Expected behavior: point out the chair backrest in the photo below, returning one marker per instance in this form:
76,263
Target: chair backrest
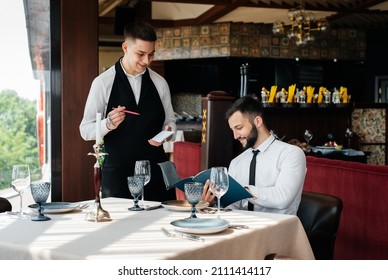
5,205
320,215
170,175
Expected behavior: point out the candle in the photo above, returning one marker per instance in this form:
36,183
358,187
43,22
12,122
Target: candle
98,128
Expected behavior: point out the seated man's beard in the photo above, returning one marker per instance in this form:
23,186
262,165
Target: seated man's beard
252,138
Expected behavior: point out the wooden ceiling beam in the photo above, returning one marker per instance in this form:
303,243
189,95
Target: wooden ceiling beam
202,2
316,5
106,7
369,3
221,8
353,11
219,11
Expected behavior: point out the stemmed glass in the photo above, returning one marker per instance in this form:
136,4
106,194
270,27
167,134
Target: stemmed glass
135,185
349,136
219,183
193,192
308,135
40,192
21,180
143,168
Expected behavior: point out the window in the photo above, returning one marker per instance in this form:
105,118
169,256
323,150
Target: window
23,89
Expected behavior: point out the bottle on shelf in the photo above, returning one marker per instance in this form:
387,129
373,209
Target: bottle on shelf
327,97
264,95
336,96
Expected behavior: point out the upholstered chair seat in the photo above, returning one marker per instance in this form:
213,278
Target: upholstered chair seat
320,216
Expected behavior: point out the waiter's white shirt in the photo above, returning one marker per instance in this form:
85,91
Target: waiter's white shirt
99,97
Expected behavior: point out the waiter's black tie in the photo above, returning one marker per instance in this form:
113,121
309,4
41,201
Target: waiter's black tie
252,174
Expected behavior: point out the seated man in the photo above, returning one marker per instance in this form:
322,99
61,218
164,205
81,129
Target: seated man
277,169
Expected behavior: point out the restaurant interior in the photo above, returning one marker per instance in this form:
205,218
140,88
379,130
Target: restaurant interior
211,53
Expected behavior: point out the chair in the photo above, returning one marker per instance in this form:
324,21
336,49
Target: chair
5,205
320,216
170,175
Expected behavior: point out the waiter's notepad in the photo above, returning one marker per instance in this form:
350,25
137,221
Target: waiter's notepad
161,136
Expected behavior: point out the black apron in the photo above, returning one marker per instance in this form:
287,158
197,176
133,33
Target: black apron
129,141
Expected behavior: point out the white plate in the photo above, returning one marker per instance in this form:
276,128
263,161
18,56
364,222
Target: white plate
183,205
200,226
55,207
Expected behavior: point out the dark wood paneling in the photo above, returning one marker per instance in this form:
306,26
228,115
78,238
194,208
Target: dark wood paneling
53,97
79,56
217,138
158,66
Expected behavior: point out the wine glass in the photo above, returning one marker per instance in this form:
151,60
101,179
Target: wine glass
135,185
143,168
219,183
308,135
21,180
193,192
40,192
349,136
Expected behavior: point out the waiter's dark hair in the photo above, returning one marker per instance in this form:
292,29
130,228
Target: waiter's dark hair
140,30
248,106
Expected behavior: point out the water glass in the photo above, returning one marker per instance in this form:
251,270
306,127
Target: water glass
40,192
136,185
193,192
143,168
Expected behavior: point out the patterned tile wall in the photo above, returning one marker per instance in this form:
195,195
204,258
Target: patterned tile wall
370,125
187,102
255,40
377,154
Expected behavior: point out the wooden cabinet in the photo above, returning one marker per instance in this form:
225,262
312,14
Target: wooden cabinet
216,137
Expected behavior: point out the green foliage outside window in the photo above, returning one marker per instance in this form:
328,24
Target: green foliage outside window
18,136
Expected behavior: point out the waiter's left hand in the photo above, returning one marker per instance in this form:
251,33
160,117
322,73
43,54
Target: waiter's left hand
157,144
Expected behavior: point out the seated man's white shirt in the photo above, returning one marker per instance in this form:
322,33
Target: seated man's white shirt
280,174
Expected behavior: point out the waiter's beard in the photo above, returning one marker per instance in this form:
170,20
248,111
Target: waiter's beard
252,138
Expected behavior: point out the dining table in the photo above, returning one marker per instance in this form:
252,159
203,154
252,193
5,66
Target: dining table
138,235
346,154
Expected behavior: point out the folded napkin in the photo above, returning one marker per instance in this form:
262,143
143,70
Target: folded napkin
326,151
346,152
170,175
352,152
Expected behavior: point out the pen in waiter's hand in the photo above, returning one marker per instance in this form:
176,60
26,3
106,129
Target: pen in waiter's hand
128,112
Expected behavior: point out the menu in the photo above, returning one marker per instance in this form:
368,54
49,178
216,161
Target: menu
235,192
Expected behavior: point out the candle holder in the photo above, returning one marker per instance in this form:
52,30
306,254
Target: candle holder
97,214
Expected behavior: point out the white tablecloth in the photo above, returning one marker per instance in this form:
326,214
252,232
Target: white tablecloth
138,235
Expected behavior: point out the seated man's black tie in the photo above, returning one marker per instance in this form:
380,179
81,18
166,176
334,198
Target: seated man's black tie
252,174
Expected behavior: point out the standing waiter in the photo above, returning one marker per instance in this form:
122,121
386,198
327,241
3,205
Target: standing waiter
131,85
